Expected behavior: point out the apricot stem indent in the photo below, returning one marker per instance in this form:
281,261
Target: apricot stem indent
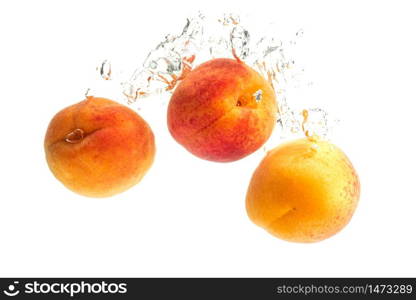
75,136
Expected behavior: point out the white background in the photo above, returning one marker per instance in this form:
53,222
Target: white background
187,217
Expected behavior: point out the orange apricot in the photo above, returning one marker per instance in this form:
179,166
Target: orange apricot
305,190
98,147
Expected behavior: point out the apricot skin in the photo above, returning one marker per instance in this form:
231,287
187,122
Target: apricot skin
114,153
214,114
303,191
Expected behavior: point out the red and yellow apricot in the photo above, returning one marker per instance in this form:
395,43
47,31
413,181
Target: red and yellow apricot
222,111
99,148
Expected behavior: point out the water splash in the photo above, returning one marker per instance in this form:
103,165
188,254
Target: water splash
169,62
201,39
318,123
204,38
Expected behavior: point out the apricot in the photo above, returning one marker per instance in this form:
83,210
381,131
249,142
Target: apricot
303,191
222,111
99,148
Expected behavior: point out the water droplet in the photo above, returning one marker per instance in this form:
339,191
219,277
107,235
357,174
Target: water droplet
300,33
240,39
315,123
258,95
229,19
105,70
